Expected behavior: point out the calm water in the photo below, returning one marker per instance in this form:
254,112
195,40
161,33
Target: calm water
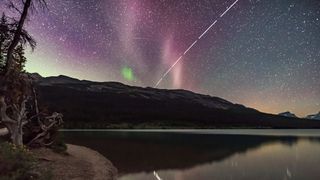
208,154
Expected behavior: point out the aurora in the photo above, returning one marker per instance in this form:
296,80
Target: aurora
127,73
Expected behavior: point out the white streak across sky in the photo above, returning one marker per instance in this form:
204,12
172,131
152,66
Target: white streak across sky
195,42
156,175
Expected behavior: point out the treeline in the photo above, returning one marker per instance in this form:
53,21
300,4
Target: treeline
114,109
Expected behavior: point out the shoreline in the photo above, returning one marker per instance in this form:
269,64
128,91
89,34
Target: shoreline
102,167
255,132
79,163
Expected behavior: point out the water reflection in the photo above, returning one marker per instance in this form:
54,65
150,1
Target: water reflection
186,156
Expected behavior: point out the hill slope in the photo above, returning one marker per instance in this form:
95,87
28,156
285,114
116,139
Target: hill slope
87,104
314,116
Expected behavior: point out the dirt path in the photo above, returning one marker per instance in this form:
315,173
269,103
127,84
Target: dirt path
81,164
102,167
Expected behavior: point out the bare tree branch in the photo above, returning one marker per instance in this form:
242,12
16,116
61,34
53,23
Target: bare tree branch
11,5
54,120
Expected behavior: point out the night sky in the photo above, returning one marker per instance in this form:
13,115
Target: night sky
264,54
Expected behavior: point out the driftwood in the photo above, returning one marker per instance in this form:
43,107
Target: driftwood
48,128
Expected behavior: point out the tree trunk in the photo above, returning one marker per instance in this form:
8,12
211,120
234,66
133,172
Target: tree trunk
16,38
14,124
16,134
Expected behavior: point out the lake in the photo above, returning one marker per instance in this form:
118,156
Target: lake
207,154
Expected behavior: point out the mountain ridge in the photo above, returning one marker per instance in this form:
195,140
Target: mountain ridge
100,86
89,104
287,114
314,116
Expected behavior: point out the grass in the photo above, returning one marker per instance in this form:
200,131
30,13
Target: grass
17,162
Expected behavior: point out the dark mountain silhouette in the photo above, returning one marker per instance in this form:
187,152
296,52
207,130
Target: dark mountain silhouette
287,114
87,104
314,116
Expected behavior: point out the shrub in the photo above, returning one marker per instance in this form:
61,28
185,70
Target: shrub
59,146
16,162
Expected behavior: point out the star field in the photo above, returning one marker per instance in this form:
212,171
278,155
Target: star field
264,54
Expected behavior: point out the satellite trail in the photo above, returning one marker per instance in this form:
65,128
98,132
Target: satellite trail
194,43
156,175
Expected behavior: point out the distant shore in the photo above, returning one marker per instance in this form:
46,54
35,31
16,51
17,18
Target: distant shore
239,131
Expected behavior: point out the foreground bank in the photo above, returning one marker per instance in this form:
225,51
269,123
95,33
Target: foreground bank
79,163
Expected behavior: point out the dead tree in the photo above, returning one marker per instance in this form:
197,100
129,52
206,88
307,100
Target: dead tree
13,101
47,131
15,86
15,123
18,33
16,38
20,119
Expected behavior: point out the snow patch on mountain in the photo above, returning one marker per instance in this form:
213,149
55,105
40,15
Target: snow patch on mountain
314,116
287,114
